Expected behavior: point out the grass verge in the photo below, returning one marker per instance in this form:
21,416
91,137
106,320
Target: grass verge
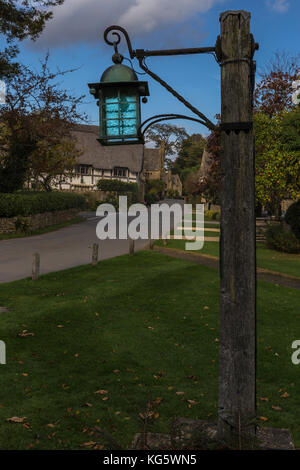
40,231
90,346
268,259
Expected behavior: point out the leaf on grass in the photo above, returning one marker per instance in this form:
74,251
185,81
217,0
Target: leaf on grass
156,415
285,395
16,419
179,393
25,333
263,418
116,371
264,399
88,444
276,408
88,404
192,402
101,392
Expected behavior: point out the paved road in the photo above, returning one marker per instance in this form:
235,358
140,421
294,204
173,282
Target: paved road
62,249
65,248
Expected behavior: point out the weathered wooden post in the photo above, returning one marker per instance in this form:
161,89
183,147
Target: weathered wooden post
237,377
131,247
35,266
95,254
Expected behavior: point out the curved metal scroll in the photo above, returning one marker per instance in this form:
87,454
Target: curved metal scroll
164,117
114,30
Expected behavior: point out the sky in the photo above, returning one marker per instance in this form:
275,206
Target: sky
74,39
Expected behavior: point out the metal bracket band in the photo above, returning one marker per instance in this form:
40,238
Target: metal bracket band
236,127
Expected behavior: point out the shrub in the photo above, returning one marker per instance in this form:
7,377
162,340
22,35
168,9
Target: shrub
281,240
292,217
121,188
212,215
25,204
154,191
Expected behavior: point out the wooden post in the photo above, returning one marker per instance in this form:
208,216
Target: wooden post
237,377
95,254
131,247
152,244
35,266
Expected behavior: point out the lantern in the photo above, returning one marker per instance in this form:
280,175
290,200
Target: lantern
118,95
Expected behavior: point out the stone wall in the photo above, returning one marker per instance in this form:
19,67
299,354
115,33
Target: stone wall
21,224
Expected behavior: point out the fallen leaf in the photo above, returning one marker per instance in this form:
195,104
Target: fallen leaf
101,392
88,444
179,393
15,419
264,399
156,415
116,371
25,333
285,395
276,408
192,402
263,418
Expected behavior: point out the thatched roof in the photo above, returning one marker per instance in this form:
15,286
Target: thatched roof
106,157
152,159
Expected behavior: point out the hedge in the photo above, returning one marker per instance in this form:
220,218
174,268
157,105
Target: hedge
26,204
292,217
120,187
279,239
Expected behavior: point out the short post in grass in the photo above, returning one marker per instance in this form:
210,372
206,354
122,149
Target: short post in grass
165,241
95,254
35,266
131,247
152,244
237,346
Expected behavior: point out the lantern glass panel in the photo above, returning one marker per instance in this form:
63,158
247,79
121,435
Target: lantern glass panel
120,113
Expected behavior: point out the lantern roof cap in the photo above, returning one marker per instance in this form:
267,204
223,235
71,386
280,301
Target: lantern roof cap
118,73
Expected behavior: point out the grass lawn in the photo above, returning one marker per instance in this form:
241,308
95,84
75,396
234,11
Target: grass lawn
40,231
268,259
132,329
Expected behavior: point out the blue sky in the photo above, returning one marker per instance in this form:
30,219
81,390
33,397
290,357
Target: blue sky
74,38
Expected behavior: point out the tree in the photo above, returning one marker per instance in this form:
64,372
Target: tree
19,20
277,158
274,91
190,153
37,120
172,137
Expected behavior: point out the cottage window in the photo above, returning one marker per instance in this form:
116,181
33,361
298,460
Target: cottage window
120,172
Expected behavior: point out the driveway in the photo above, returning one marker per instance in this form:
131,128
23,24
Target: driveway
65,248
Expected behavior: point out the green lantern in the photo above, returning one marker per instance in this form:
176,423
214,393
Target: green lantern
118,95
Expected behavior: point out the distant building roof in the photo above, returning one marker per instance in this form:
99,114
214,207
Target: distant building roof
108,157
152,160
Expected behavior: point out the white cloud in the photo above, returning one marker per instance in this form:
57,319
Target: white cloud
79,21
281,6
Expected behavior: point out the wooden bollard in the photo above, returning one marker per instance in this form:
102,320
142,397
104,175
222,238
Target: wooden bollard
35,266
131,247
95,254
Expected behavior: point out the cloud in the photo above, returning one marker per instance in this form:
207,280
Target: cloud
84,21
280,6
